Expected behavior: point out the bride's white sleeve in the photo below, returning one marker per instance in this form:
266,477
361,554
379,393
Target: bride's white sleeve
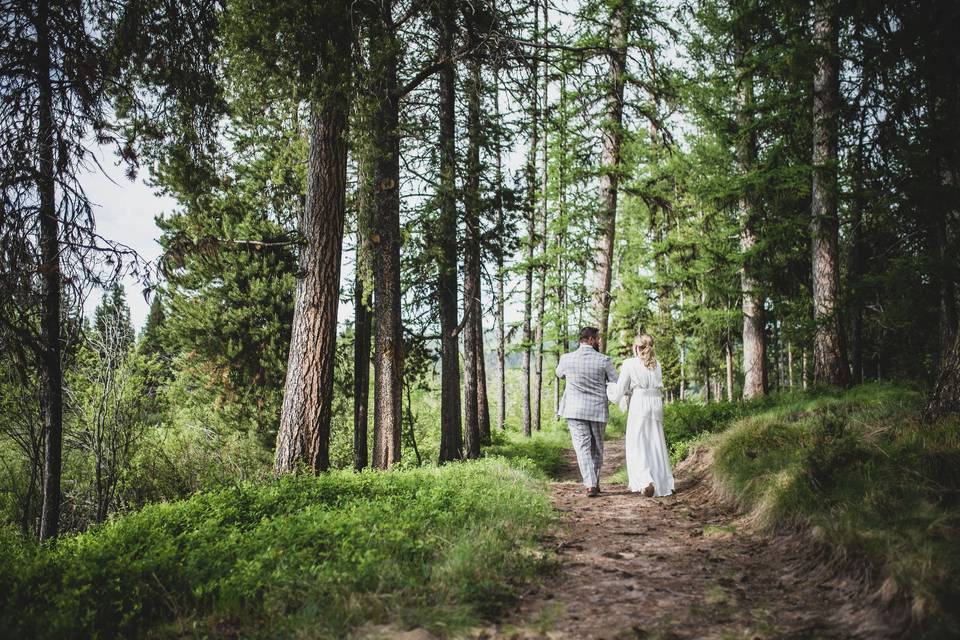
619,391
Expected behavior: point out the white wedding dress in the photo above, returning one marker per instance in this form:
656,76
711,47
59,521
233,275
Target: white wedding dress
640,389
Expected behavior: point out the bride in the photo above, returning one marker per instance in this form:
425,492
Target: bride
640,384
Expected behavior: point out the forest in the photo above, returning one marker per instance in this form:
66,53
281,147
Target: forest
340,417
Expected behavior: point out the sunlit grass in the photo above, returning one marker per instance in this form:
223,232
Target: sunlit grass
865,478
441,548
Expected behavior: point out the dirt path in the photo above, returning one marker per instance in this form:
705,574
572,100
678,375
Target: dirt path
678,567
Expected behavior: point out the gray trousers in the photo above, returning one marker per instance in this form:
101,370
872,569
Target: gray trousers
587,437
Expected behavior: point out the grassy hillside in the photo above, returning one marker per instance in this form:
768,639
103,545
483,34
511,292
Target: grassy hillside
434,547
863,477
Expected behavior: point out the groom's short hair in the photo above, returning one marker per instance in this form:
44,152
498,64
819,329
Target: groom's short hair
588,333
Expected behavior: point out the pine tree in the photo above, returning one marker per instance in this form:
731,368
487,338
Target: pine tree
829,345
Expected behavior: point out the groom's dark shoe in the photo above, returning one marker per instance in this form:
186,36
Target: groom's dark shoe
593,492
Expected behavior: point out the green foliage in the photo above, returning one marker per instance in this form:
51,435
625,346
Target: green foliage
864,478
543,453
225,318
111,319
688,423
318,555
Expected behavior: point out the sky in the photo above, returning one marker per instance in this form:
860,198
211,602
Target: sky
125,211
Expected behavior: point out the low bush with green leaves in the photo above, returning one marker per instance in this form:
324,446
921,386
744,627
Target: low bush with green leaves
543,454
687,423
864,477
434,547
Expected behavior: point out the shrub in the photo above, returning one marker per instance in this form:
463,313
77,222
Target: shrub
542,455
686,423
432,547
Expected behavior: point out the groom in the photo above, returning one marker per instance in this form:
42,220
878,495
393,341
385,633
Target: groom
584,403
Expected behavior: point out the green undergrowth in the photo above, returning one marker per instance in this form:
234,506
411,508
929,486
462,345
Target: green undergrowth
542,454
686,424
862,475
439,548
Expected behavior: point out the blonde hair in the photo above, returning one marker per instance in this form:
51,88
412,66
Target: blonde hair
643,349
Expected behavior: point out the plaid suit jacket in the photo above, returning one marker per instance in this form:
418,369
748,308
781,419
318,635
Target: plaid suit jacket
587,372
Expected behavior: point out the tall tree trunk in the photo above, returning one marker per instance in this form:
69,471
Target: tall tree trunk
946,275
754,340
501,274
363,319
683,358
857,257
561,235
388,337
805,368
531,206
472,338
790,365
540,317
942,166
781,367
52,373
527,310
728,353
483,403
538,348
612,131
829,351
683,375
945,398
304,434
542,266
451,437
361,382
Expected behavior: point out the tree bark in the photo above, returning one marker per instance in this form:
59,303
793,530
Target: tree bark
483,404
531,209
945,398
501,275
728,352
561,238
363,319
612,131
538,350
451,438
361,382
857,266
805,368
51,282
790,365
542,266
304,434
540,319
388,338
754,340
829,351
472,338
527,310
